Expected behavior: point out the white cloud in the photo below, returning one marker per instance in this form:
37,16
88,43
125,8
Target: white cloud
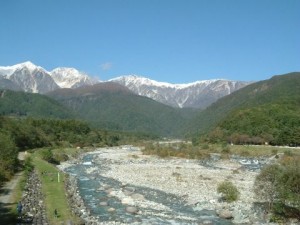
106,66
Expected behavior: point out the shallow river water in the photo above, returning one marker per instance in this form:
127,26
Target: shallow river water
160,207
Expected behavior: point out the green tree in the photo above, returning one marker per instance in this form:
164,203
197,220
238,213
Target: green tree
8,156
266,184
279,185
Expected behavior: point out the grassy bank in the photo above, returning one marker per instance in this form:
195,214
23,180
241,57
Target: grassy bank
53,191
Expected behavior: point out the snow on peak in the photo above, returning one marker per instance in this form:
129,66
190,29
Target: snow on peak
29,65
70,77
141,80
135,79
9,70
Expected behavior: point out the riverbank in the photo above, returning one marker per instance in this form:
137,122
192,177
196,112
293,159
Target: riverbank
193,184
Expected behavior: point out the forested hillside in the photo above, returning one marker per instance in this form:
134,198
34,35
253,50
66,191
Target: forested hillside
266,111
19,103
112,106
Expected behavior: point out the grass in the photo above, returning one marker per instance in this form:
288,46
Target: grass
53,191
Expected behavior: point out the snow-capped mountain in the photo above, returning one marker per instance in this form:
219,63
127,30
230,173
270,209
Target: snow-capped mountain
71,78
199,94
31,78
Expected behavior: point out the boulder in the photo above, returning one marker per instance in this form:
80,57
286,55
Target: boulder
127,201
111,210
103,204
137,196
131,209
225,214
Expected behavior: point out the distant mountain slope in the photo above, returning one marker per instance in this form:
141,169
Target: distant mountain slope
265,110
112,106
199,94
8,84
17,103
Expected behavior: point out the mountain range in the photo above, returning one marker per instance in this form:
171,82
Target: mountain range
265,111
35,79
199,94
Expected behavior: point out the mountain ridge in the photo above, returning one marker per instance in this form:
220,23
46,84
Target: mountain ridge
35,79
199,94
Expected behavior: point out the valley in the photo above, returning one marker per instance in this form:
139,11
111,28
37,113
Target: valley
168,112
230,144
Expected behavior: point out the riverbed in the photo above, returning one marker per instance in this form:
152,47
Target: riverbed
123,186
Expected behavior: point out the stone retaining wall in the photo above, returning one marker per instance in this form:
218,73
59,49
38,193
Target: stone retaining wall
33,201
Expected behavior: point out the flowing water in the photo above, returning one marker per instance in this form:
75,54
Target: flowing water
156,207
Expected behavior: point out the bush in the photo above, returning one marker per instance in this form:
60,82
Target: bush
47,155
28,166
60,157
205,146
229,191
225,149
279,185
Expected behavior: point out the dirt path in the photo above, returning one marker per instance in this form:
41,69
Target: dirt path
6,191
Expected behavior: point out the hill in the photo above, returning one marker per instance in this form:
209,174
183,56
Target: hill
18,103
113,106
266,111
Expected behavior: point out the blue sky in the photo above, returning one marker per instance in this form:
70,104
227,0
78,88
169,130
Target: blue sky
176,41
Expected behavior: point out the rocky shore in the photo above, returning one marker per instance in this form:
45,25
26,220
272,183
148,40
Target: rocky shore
193,186
76,202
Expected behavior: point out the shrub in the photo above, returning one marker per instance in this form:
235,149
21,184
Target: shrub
225,149
229,191
60,157
205,146
47,155
279,185
274,151
28,166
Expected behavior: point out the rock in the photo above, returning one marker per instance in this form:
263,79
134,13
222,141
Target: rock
111,210
137,196
225,214
69,222
103,203
127,201
129,189
131,209
206,222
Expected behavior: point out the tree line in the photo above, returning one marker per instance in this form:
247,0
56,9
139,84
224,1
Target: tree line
17,134
275,124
